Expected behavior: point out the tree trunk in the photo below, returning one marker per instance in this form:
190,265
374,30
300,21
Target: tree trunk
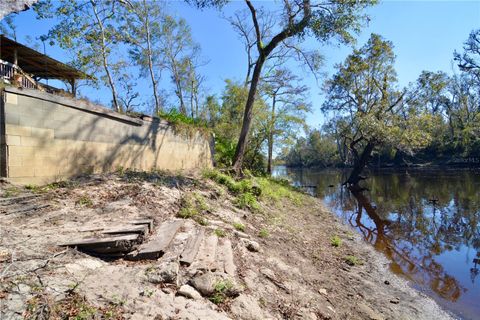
105,59
270,134
150,62
247,117
270,154
359,165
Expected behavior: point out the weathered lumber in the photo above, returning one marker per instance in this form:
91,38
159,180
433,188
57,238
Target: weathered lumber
118,244
19,198
225,258
25,209
141,229
192,246
158,244
205,259
148,222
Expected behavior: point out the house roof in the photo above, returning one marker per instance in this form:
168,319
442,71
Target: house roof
36,63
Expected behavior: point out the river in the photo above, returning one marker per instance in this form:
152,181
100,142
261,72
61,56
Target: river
426,222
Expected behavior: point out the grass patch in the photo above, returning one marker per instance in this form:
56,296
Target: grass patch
11,191
48,187
246,200
239,226
221,291
73,306
263,233
250,190
275,190
220,233
84,201
335,241
192,205
352,261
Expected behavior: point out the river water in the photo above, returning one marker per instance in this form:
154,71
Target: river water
426,222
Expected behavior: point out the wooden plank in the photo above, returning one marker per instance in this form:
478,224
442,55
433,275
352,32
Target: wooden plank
118,244
158,244
25,209
141,229
192,246
205,259
19,198
148,222
226,257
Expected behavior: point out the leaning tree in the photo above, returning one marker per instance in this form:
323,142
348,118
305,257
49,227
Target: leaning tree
324,19
369,111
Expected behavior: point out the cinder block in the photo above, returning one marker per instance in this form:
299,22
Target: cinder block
15,161
23,171
46,170
11,98
30,121
25,152
18,130
33,141
42,133
13,140
12,118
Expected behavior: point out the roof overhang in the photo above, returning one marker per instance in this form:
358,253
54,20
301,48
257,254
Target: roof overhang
36,63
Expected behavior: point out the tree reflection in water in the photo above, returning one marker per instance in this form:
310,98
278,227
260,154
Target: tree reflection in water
419,220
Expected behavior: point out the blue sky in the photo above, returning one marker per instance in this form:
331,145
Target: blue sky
424,33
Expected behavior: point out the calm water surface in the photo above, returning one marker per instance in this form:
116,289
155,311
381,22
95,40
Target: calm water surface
426,222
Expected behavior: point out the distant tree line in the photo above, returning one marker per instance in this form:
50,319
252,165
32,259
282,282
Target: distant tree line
436,120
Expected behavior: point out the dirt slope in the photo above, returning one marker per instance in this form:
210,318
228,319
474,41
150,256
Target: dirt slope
275,261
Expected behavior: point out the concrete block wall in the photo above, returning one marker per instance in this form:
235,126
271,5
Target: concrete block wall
48,138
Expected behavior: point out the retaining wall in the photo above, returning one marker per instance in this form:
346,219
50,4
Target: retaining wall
47,138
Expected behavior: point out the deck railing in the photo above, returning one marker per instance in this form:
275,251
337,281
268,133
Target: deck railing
10,72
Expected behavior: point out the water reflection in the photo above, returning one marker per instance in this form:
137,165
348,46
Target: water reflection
426,223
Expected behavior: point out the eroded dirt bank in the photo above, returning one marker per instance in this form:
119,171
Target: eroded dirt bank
264,252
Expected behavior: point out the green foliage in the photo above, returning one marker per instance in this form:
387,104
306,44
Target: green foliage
274,190
239,226
246,200
263,233
335,241
221,291
219,233
352,261
84,201
192,205
224,152
10,191
317,149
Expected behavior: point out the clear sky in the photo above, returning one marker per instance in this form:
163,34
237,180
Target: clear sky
424,33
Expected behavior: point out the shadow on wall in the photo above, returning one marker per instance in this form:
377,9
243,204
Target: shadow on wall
49,136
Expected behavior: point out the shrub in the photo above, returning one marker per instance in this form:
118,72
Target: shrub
220,233
239,226
263,233
336,241
246,200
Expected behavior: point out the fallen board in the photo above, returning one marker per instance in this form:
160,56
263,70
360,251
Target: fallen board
141,229
155,247
118,244
191,248
148,222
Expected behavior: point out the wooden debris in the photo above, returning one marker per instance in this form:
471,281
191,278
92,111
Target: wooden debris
19,198
157,245
148,222
141,229
225,257
205,259
192,246
28,208
108,245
